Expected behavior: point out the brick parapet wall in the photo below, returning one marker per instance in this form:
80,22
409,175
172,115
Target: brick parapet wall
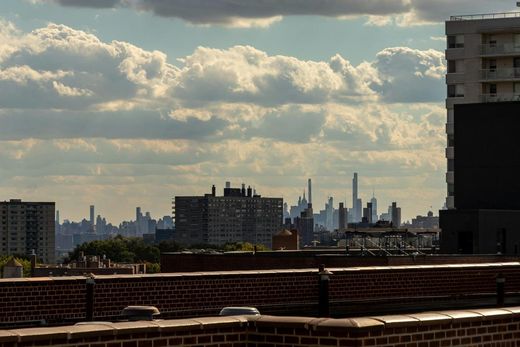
272,291
478,327
182,262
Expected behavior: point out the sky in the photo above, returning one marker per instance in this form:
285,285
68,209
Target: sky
126,103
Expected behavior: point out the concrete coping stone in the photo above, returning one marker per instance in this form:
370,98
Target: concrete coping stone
90,330
8,336
308,323
221,321
177,325
461,315
350,324
37,334
514,310
430,318
492,313
397,321
284,322
138,326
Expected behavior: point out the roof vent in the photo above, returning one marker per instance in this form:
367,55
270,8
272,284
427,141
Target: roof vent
135,313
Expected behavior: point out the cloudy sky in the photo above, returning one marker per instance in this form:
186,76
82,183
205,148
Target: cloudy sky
125,103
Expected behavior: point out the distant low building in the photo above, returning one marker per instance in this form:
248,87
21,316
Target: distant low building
26,227
87,265
239,215
13,269
286,240
426,222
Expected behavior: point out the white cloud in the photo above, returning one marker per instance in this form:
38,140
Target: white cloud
83,117
410,75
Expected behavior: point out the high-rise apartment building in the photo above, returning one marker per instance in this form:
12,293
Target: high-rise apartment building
237,216
26,227
483,60
483,90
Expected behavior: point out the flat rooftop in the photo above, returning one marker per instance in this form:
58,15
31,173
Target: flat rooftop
482,16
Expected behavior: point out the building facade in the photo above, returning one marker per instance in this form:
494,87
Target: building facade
237,216
483,87
483,58
26,227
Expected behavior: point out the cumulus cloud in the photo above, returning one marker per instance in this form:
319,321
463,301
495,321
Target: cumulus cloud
410,75
64,68
83,117
245,74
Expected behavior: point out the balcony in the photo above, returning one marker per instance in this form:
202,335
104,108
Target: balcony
450,152
450,128
450,177
450,202
500,74
500,49
503,97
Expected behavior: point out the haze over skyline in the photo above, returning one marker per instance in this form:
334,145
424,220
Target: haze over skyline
126,103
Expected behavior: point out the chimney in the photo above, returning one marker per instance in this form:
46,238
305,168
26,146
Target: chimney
228,184
249,192
243,189
33,262
213,190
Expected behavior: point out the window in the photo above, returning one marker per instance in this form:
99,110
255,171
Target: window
455,90
452,66
516,88
455,41
493,65
451,141
451,117
493,89
451,189
451,165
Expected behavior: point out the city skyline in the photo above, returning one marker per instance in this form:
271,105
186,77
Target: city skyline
133,105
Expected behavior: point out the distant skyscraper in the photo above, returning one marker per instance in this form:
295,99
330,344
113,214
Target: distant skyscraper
355,197
359,210
373,201
396,215
305,226
138,214
92,221
329,222
342,217
310,191
57,217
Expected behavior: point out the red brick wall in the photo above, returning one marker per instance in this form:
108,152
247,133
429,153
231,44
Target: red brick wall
54,299
484,328
199,294
177,262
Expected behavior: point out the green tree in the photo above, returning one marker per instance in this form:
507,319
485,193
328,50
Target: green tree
153,268
119,249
